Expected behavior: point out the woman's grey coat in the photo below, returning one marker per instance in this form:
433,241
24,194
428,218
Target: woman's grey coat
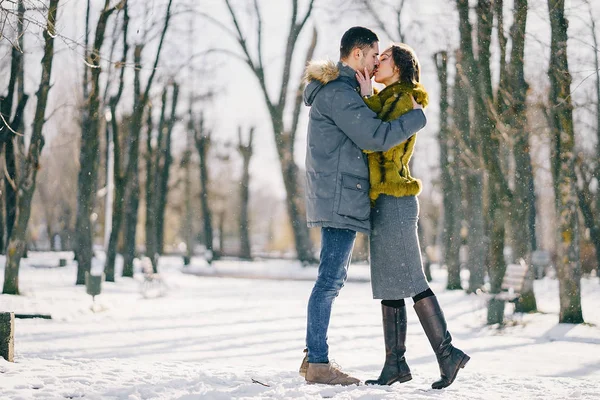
341,126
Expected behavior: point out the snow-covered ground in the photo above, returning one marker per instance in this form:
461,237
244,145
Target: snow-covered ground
209,337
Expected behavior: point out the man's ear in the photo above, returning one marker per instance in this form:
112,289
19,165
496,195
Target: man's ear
357,53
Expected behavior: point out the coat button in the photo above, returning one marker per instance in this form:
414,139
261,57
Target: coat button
358,186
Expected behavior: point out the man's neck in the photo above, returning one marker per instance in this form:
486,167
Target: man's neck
347,64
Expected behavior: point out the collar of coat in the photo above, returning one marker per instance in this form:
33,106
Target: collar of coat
396,89
327,71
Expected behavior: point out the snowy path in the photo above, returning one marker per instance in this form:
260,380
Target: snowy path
209,337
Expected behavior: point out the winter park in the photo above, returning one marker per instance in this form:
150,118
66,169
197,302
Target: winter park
346,199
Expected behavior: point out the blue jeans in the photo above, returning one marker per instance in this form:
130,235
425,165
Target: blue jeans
336,251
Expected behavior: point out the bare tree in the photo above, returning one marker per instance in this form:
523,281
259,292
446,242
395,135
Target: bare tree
589,168
285,136
11,129
450,180
376,9
563,168
202,140
17,243
151,154
186,165
515,119
90,149
158,162
584,177
163,168
141,98
474,173
119,178
245,151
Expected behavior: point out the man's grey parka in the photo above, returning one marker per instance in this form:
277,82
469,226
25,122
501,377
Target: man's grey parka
340,127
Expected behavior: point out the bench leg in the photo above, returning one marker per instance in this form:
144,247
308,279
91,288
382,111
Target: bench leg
7,336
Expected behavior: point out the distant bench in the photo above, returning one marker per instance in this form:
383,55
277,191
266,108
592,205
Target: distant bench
512,287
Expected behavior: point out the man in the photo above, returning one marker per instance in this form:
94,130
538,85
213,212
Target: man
340,127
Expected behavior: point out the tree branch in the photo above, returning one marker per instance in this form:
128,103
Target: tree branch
301,85
158,51
295,30
242,42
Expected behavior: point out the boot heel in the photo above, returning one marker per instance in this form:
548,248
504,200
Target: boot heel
464,361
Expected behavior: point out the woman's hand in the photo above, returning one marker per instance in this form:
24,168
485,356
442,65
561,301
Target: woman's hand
366,86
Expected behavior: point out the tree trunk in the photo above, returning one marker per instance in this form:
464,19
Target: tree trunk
246,153
450,183
89,154
116,223
498,219
131,219
20,140
523,205
476,241
132,185
2,226
163,173
294,199
563,157
10,181
221,224
585,205
152,153
186,165
202,138
17,243
595,230
131,174
8,137
118,178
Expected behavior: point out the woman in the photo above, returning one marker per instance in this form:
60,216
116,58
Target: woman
396,266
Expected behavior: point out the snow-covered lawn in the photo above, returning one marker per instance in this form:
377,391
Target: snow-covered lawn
209,337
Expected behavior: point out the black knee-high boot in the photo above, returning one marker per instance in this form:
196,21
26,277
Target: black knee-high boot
395,368
450,359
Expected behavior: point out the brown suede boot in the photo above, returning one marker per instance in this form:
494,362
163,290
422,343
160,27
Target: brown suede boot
304,364
450,359
395,368
328,374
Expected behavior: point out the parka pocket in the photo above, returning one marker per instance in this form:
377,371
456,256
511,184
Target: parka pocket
354,197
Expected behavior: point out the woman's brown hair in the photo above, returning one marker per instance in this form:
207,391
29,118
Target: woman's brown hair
407,62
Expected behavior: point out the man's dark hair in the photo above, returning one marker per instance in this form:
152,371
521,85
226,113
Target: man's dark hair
356,37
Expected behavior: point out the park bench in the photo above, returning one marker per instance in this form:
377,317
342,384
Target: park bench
512,286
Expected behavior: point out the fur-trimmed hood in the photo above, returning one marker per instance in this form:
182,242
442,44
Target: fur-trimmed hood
317,75
322,71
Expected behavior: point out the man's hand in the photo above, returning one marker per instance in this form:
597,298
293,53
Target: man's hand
366,86
416,106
